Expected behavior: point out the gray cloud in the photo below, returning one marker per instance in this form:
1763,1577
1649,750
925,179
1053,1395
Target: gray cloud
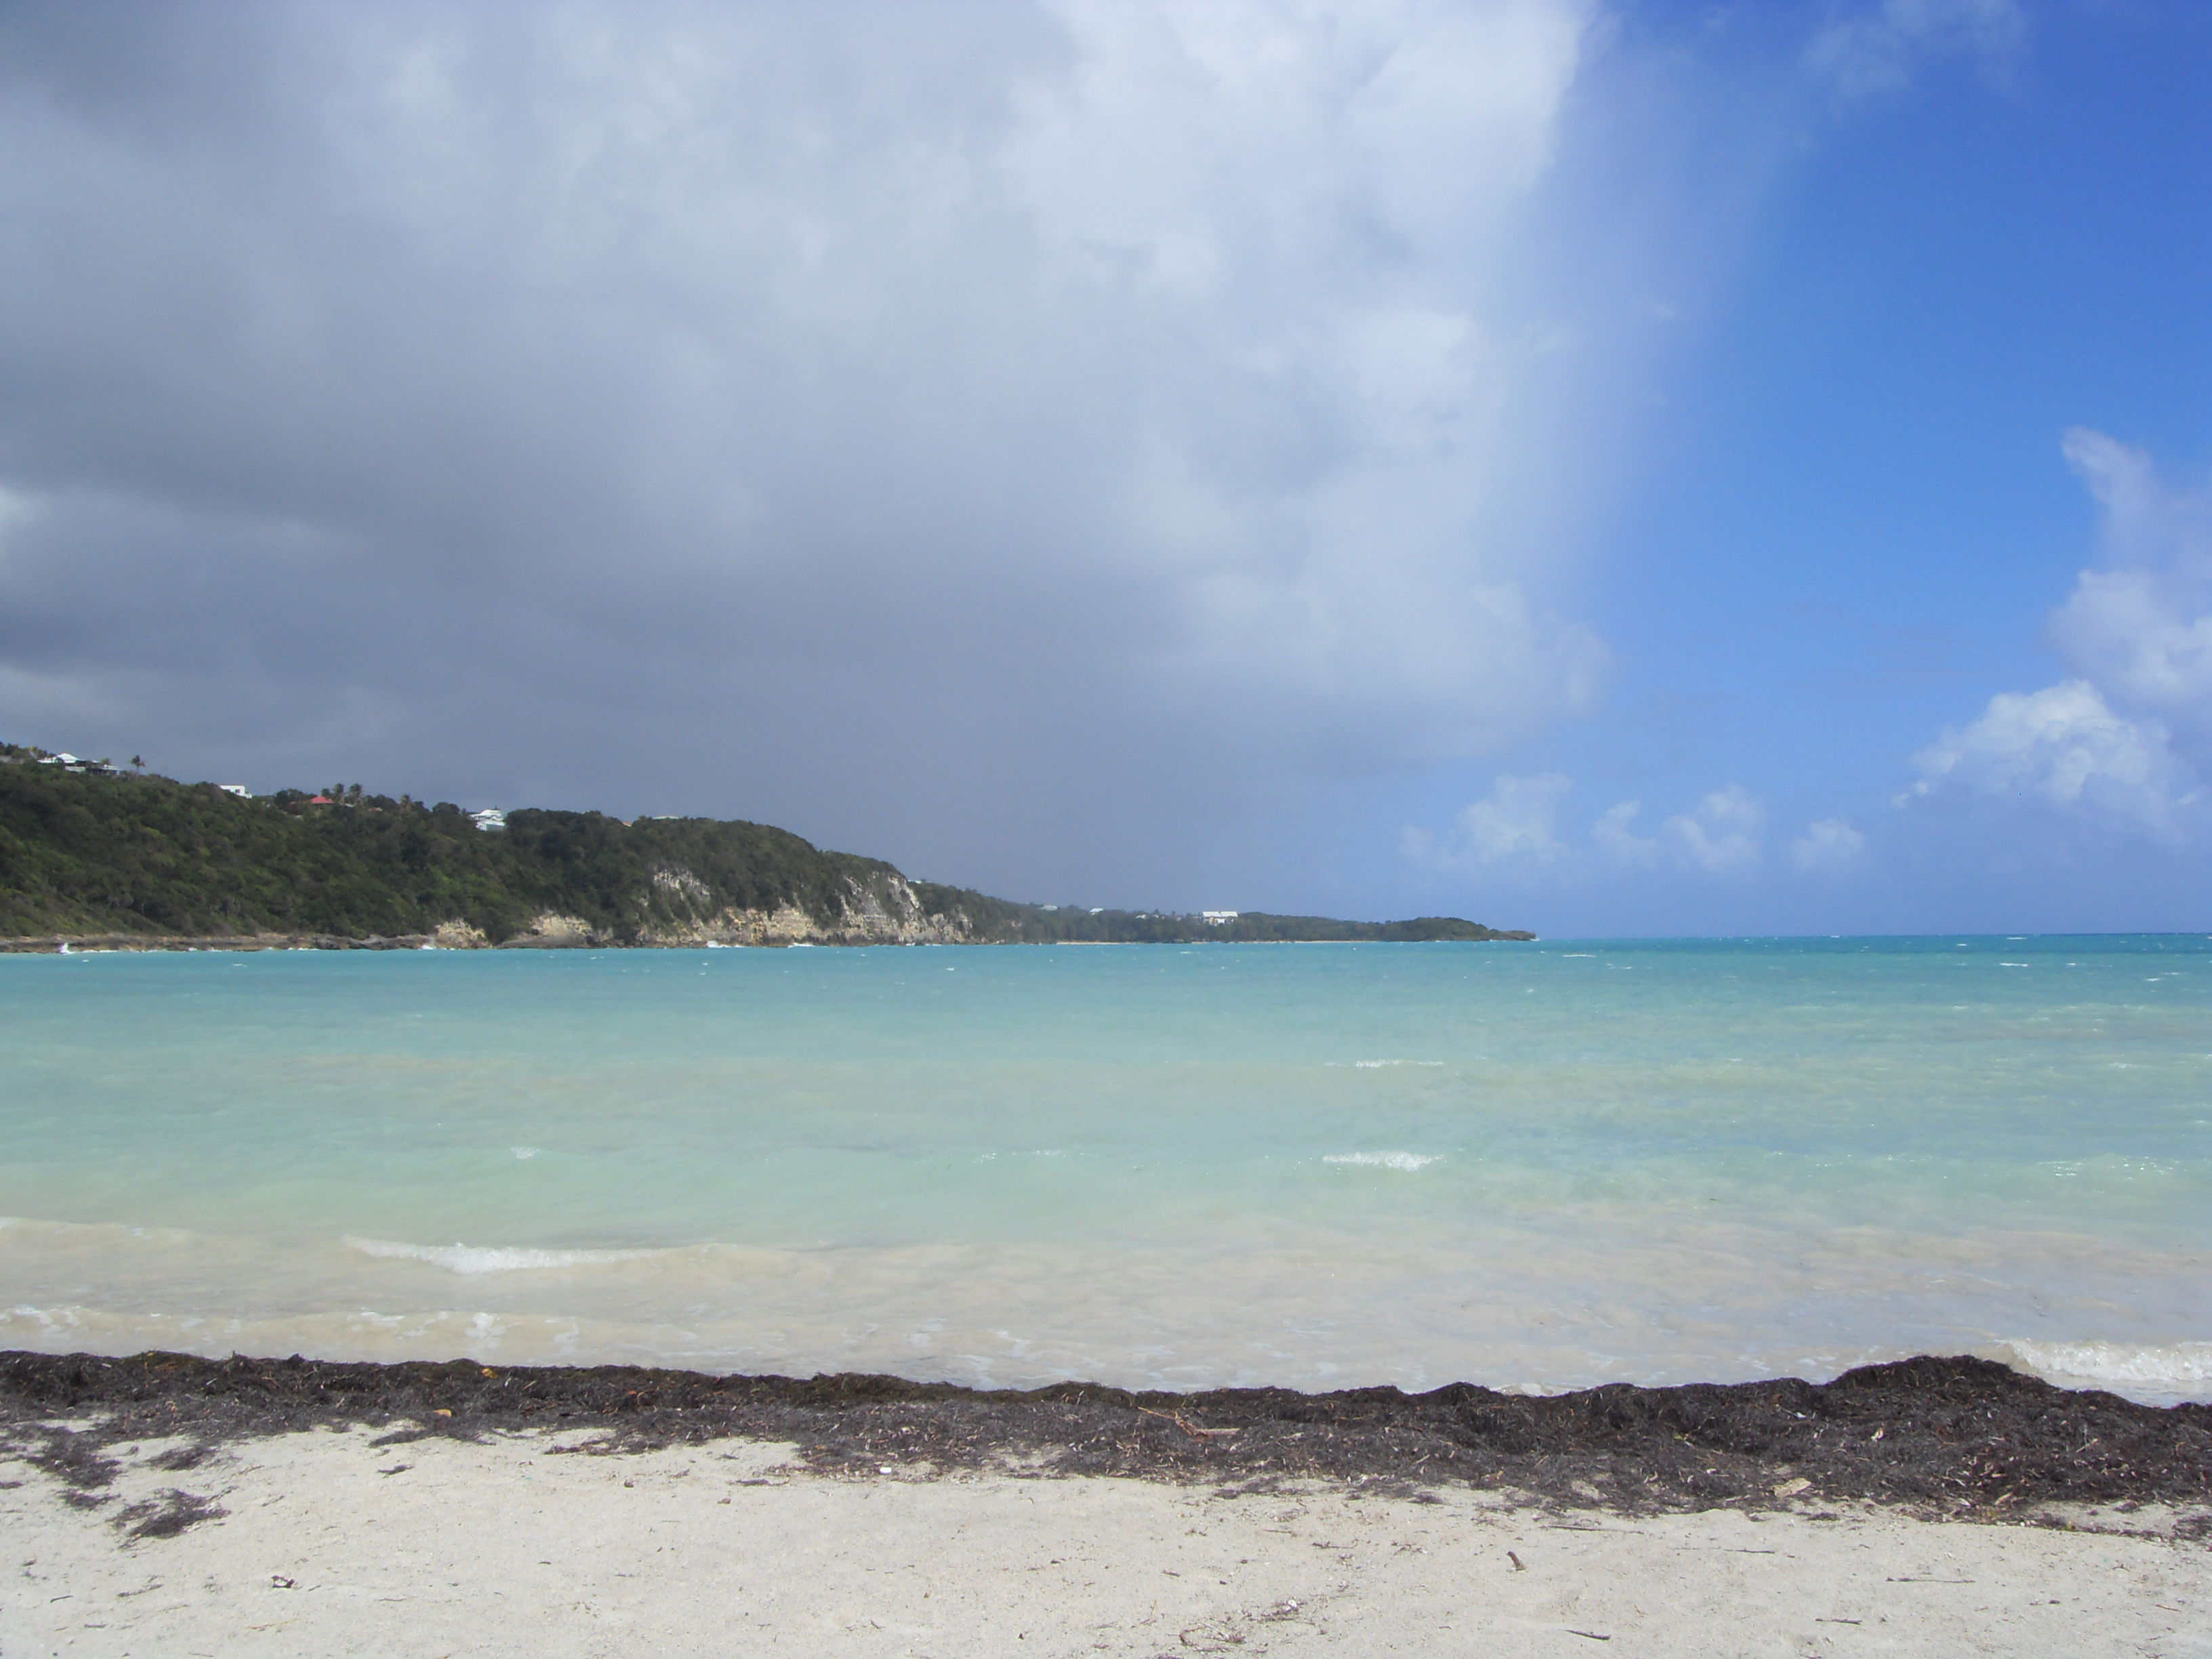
1032,443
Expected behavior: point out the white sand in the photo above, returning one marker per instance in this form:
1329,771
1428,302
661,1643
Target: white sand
331,1546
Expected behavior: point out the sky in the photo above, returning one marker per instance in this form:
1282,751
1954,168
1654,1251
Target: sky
1611,468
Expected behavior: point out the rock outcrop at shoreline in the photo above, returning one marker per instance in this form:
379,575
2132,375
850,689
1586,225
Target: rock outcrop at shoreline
1958,1437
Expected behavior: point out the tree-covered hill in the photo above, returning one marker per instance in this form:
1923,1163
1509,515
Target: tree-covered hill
94,853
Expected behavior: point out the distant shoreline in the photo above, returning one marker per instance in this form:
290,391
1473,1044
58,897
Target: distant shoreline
93,944
110,860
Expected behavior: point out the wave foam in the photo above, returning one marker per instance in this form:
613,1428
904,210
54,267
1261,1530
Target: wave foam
1383,1160
487,1259
2172,1367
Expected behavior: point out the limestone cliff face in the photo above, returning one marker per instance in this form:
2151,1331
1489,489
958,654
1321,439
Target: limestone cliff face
549,930
879,910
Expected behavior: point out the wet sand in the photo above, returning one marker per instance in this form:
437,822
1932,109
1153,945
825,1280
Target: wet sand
166,1504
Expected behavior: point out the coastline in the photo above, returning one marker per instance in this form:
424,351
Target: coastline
253,1507
1956,1437
92,944
53,944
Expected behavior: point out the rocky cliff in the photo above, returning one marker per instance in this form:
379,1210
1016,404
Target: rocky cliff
884,910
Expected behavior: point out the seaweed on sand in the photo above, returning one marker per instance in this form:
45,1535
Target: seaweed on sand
1957,1435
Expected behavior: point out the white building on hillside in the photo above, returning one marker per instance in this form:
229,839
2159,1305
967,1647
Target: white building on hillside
1216,918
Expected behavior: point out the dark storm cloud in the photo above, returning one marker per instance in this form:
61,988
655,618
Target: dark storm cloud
1020,441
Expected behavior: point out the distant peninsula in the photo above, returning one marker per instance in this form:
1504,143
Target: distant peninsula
94,855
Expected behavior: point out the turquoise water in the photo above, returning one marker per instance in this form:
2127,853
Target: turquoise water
1537,1166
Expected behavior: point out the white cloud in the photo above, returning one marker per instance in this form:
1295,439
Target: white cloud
1721,836
1617,844
2062,747
1827,848
2126,740
1515,828
2141,629
2129,633
1515,823
1880,48
2146,519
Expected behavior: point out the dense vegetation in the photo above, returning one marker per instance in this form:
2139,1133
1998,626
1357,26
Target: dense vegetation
1033,924
84,853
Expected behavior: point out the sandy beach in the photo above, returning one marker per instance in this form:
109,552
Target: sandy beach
165,1505
330,1542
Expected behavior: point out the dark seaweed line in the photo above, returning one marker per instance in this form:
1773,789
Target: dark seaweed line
1957,1436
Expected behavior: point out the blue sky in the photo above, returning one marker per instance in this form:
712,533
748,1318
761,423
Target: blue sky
1607,468
1855,526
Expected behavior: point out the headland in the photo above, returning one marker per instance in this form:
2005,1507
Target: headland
96,857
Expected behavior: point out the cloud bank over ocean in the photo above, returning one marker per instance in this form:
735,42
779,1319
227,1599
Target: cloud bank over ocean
933,427
1214,453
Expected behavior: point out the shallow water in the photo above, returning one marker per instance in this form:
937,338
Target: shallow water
1537,1166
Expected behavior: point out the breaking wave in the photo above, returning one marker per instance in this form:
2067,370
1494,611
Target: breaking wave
485,1258
2170,1368
1383,1160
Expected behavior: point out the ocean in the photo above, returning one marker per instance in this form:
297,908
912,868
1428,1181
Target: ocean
1531,1166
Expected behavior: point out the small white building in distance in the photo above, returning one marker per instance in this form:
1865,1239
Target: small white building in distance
237,789
1216,918
490,818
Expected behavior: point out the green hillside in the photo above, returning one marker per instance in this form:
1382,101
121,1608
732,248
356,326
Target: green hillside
83,854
